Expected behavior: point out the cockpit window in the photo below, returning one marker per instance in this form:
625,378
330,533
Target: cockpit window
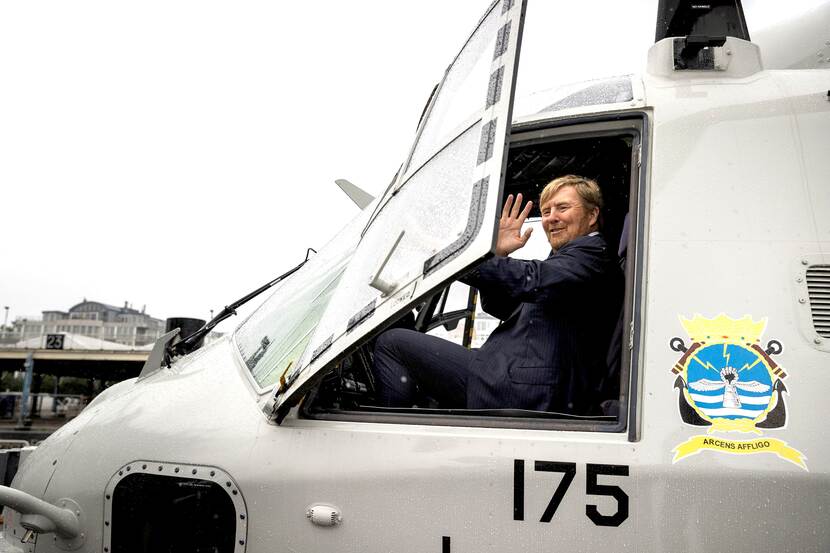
274,337
615,90
460,94
439,215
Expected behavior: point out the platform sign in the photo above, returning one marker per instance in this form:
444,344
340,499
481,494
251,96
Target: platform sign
54,341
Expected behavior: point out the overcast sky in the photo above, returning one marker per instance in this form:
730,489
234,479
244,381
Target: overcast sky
178,154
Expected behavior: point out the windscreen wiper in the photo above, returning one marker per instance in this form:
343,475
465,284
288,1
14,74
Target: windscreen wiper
192,342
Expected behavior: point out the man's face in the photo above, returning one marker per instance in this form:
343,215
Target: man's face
565,217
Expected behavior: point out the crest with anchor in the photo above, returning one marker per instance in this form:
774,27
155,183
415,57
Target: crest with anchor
728,382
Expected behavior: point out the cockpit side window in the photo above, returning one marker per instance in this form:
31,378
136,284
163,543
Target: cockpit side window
607,152
454,313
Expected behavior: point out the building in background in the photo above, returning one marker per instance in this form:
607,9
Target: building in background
121,325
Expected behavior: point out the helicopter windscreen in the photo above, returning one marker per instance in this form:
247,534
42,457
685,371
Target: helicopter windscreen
439,217
272,339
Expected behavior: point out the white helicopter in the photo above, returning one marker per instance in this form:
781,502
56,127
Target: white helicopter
711,146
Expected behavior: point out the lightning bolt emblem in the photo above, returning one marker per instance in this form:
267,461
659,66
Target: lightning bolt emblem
707,365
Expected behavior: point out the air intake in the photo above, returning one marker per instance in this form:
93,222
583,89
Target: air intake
818,286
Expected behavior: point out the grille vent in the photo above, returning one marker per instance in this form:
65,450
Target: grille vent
818,286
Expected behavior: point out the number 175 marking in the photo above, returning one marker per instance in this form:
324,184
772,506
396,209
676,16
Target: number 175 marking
568,471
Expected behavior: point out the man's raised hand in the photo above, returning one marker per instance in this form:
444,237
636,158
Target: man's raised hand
510,236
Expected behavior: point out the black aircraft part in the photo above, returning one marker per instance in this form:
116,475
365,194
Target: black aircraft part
187,326
681,18
695,52
154,513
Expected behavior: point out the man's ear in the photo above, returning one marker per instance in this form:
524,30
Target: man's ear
594,217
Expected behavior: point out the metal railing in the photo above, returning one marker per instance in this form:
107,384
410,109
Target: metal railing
41,406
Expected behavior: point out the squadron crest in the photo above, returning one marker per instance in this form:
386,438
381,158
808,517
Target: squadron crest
728,382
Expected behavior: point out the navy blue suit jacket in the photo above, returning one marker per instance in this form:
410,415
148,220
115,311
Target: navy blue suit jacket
548,354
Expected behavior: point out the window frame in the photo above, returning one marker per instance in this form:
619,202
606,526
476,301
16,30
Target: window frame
628,421
611,124
155,470
435,313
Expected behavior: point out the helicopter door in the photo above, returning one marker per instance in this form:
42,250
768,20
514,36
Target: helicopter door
439,214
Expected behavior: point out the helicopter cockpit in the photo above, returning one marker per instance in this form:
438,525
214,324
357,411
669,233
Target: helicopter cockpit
454,313
399,262
605,151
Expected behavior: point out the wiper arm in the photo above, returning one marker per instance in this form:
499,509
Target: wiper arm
189,344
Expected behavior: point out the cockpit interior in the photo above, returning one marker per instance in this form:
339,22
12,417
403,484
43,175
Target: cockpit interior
607,152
